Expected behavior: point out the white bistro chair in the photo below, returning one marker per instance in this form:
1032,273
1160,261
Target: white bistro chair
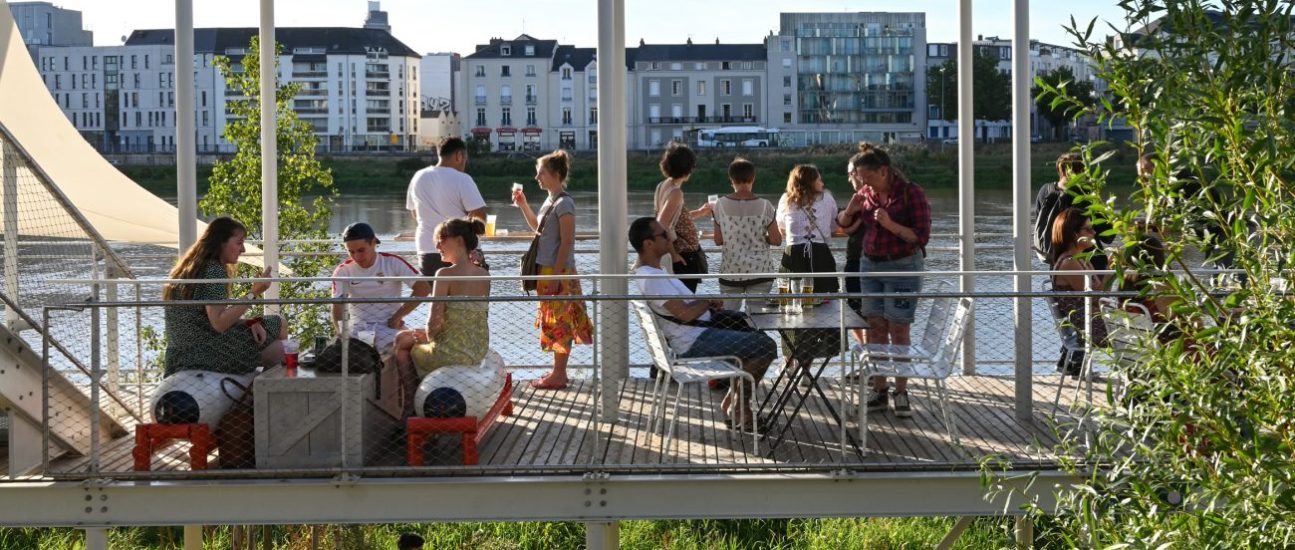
684,370
932,358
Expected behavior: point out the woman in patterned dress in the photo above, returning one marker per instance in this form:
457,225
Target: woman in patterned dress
745,226
562,323
687,258
216,337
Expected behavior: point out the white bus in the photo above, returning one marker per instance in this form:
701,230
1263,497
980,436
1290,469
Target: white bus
737,136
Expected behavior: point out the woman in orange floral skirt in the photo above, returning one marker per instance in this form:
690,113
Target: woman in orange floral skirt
562,323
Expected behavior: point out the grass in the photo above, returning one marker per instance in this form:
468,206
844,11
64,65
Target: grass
929,166
772,534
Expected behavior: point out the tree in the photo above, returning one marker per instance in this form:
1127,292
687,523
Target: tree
1195,452
235,184
992,97
1058,108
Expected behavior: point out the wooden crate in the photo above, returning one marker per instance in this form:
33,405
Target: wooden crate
300,421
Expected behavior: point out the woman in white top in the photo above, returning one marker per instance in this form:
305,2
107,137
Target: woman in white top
807,216
745,226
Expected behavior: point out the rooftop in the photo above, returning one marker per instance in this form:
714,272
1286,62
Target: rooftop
335,40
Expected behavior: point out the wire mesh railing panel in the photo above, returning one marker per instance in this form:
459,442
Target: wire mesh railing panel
464,385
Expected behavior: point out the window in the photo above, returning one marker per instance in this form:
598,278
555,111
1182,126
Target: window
481,116
481,95
676,110
505,50
725,65
204,118
748,87
505,94
85,100
204,98
593,115
654,112
786,118
530,116
748,110
161,80
507,117
726,110
786,82
786,63
505,71
676,87
58,82
566,116
133,61
566,94
145,61
530,70
481,70
785,44
786,99
530,49
656,137
654,88
701,87
566,73
726,87
699,66
676,66
530,94
136,79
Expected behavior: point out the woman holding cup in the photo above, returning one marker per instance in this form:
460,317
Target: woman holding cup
562,323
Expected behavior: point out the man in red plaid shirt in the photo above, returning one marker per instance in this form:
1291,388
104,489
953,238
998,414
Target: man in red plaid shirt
897,218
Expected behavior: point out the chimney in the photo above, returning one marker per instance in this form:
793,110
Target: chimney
641,43
689,40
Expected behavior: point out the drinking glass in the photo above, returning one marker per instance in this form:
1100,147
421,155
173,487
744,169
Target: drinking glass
712,199
290,350
807,286
490,224
796,307
516,187
784,287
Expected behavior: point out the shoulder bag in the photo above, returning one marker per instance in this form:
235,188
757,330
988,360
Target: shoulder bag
529,265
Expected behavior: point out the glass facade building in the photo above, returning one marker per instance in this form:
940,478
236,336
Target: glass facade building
852,72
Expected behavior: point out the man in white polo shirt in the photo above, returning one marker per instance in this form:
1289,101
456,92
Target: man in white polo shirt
438,193
384,319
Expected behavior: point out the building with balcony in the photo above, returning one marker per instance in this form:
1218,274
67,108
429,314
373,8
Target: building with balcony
506,93
682,88
359,87
843,77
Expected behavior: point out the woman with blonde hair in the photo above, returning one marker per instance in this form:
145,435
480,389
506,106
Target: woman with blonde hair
562,323
212,336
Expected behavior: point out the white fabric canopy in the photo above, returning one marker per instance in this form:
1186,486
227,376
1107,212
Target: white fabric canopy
116,207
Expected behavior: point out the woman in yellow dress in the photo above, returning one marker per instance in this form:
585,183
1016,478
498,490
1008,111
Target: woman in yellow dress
456,332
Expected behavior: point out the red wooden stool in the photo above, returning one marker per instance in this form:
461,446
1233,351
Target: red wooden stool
419,429
151,437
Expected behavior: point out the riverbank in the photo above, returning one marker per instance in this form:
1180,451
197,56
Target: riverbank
932,167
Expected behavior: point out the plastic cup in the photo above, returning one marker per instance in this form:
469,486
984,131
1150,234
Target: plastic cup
490,224
795,307
807,286
290,351
517,187
712,199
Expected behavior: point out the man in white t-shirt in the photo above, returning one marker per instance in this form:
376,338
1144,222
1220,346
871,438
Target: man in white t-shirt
441,192
384,319
755,350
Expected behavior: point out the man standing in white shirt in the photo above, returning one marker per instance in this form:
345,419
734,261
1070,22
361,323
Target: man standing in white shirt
441,192
683,321
384,319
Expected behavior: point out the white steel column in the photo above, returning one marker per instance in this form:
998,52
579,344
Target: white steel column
1021,206
9,175
186,169
96,538
966,175
613,318
602,535
269,143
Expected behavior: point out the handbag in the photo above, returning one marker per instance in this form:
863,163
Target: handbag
529,265
236,435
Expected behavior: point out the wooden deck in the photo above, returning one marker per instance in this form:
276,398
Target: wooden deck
556,430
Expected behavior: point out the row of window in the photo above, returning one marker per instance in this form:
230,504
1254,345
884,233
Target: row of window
506,116
725,87
700,66
676,111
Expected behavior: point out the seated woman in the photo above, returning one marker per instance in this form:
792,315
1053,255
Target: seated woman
1072,237
216,337
456,332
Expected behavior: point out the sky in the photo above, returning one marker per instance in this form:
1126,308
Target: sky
458,26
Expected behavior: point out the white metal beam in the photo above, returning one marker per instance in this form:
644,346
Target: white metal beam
613,317
966,174
602,535
96,538
547,498
269,145
186,168
1021,230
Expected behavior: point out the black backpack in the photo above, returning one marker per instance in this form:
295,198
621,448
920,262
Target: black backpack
363,359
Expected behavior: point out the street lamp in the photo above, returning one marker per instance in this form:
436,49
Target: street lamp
942,117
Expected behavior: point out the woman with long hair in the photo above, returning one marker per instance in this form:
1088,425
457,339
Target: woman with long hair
212,336
1073,239
807,217
456,332
562,323
686,256
745,226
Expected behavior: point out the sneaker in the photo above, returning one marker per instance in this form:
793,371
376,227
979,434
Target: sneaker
876,400
902,407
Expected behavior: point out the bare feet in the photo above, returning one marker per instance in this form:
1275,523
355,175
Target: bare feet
551,381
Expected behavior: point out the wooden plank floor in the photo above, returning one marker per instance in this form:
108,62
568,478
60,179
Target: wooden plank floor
557,429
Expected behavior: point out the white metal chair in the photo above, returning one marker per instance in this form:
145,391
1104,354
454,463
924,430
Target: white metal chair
684,370
1072,343
932,358
1130,332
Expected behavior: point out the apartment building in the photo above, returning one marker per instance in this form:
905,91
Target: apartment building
681,88
44,24
359,87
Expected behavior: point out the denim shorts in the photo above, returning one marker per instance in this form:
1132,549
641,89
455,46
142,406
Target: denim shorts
747,346
900,309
